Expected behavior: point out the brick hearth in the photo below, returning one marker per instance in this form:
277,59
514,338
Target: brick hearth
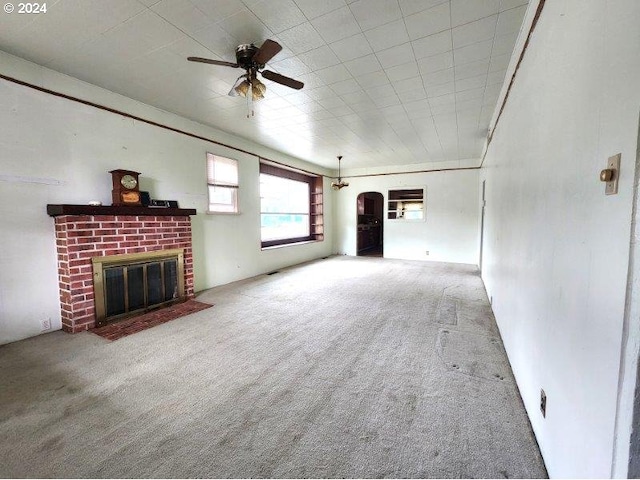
81,237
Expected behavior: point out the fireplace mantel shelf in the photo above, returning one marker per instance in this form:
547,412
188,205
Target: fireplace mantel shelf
66,209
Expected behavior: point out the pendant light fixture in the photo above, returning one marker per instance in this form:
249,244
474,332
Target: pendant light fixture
340,183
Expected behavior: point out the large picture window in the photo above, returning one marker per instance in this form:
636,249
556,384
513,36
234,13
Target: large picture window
222,181
290,206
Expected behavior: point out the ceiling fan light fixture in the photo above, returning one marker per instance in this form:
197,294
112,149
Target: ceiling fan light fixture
258,89
242,89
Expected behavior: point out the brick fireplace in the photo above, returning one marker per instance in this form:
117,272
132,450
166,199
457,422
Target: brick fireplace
83,232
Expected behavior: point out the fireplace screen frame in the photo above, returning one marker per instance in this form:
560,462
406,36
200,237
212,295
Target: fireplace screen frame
100,264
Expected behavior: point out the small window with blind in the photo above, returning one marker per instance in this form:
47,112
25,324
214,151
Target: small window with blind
222,181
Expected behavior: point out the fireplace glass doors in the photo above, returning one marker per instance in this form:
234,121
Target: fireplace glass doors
127,284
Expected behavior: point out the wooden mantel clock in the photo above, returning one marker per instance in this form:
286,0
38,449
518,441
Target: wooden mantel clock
126,189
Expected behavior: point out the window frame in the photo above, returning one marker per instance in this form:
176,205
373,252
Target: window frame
315,207
211,182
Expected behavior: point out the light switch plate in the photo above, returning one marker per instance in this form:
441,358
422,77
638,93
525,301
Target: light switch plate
611,187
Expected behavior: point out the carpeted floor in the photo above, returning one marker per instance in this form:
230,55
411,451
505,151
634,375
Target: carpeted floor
345,367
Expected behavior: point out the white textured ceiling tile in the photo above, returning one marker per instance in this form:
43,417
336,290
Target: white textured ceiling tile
409,7
218,11
355,97
510,21
352,47
310,80
473,52
183,14
278,15
387,36
345,86
218,41
442,89
465,11
331,102
315,8
246,27
373,13
436,63
341,110
381,91
428,22
496,77
503,44
333,74
432,45
372,79
449,99
319,58
321,93
444,108
470,94
363,65
417,93
473,103
143,33
472,69
492,91
386,101
438,78
500,62
301,38
395,55
475,32
402,86
336,25
402,72
471,83
509,4
289,66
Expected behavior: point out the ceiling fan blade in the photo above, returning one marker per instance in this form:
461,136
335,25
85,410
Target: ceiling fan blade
213,62
281,79
266,52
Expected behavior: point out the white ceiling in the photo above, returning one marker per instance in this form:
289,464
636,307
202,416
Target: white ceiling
387,82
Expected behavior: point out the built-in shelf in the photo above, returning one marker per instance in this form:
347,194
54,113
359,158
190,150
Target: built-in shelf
66,209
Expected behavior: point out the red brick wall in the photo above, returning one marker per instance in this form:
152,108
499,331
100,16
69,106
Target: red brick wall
80,237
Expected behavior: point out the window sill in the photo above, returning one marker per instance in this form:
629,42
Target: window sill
293,244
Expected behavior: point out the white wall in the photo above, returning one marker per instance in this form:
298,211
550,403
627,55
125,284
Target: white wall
57,151
556,248
449,233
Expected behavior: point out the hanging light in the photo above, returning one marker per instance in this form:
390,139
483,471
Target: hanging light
258,89
243,88
340,183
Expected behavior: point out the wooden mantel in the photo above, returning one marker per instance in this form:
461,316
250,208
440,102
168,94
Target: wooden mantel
65,209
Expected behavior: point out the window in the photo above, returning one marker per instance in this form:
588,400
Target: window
290,206
222,180
406,204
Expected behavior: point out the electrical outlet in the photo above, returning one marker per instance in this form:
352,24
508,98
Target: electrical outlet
427,252
543,403
45,324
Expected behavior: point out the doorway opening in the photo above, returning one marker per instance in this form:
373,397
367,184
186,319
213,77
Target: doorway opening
370,208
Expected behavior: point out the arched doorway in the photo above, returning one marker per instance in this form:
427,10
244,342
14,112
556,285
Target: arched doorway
369,224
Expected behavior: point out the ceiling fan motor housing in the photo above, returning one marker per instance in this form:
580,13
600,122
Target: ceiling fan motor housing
244,56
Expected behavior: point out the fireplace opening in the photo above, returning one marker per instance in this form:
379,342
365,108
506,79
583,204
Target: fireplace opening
130,284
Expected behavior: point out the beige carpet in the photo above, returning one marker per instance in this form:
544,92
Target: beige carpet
346,367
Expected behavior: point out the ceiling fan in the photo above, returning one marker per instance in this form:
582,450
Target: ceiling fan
340,183
253,60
